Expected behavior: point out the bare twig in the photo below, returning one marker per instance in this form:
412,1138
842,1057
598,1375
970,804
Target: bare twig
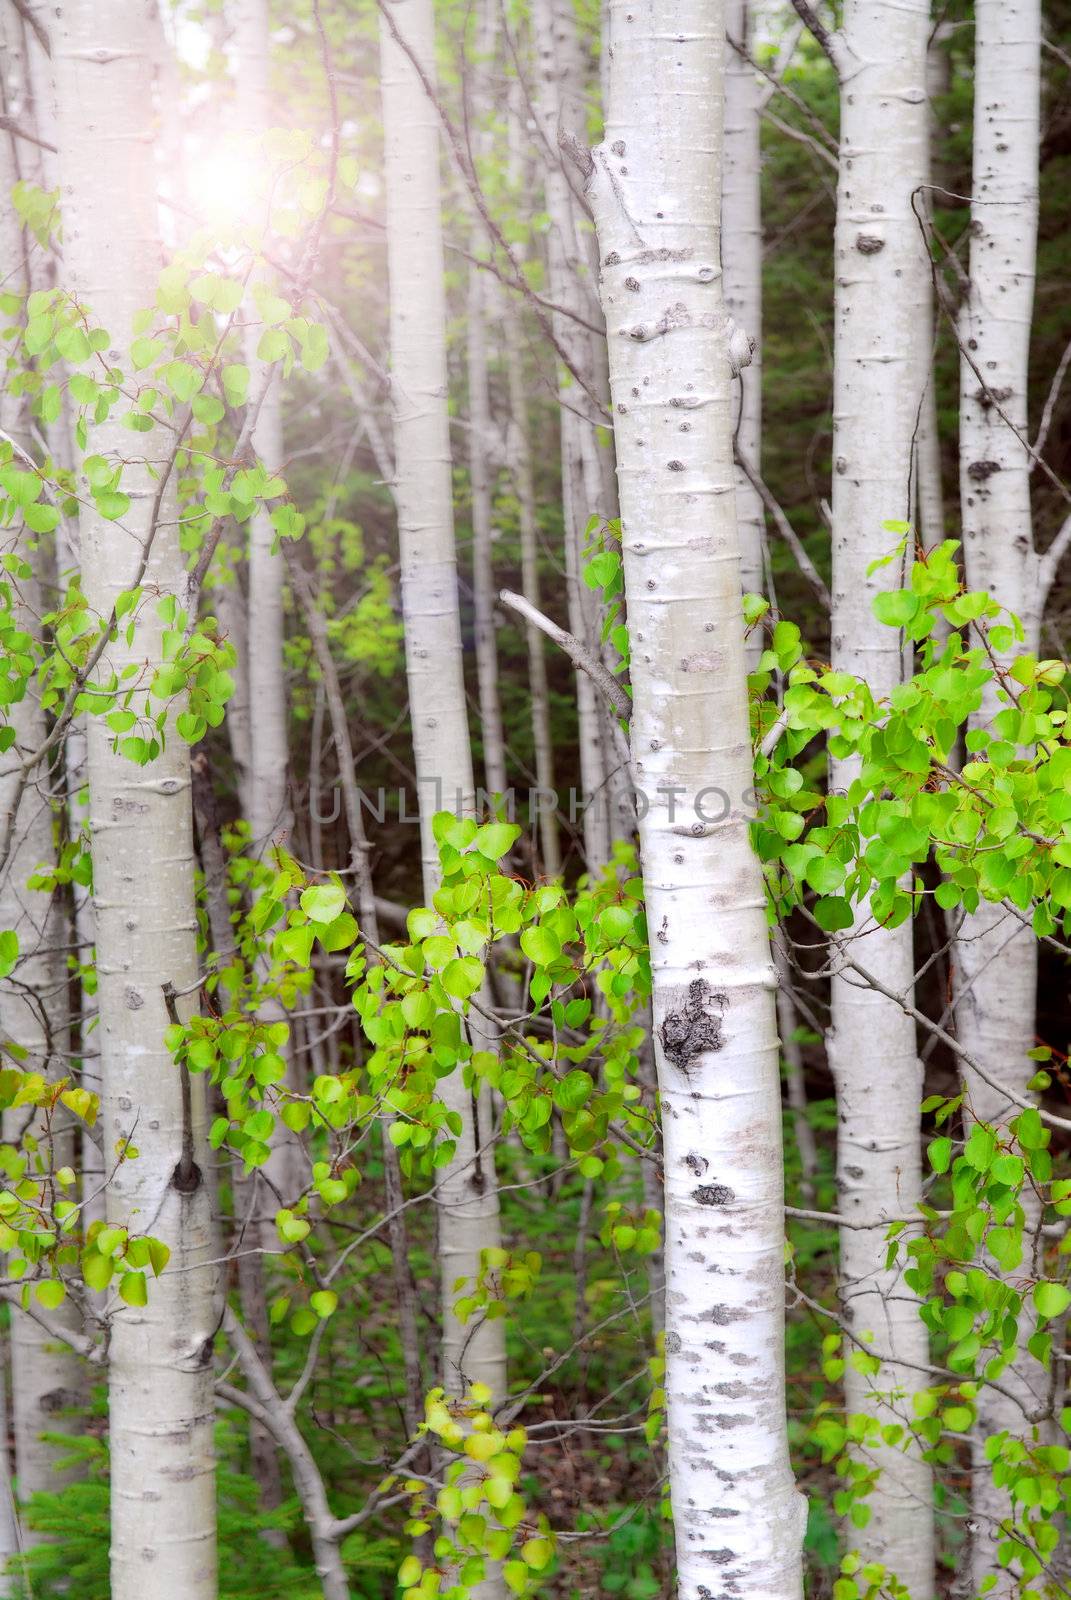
579,655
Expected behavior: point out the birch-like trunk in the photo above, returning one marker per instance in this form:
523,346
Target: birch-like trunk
995,958
46,1376
269,752
558,102
741,253
480,475
655,192
264,677
161,1409
467,1195
882,290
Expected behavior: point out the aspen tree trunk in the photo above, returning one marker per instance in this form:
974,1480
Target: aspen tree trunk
741,221
519,456
46,1376
655,191
931,511
264,679
161,1409
558,102
269,753
467,1195
480,476
882,290
995,958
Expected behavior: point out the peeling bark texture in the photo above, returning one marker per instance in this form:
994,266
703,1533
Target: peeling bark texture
995,970
655,192
467,1196
741,254
882,292
160,1357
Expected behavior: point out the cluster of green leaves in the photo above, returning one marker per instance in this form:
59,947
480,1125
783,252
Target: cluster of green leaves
39,1215
480,1509
603,571
998,826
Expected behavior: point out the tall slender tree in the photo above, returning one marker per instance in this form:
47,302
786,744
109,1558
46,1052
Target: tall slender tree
881,292
995,954
742,264
467,1193
161,1408
45,1373
654,185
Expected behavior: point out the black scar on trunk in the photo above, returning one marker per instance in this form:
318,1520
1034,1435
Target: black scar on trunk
693,1029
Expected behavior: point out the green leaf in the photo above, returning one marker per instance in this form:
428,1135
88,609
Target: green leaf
236,383
324,902
9,951
111,503
133,1289
833,914
496,839
541,946
41,518
324,1302
940,1154
1051,1299
51,1293
896,608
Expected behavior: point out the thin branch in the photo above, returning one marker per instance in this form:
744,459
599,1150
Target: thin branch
784,528
829,43
27,13
1050,402
1050,560
579,655
9,125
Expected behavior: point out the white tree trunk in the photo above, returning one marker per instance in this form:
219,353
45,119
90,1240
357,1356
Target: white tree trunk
160,1371
996,958
481,484
269,753
467,1195
520,456
558,102
264,676
46,1376
882,291
741,252
655,191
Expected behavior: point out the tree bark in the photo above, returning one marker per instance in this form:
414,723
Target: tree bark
467,1195
995,959
558,103
160,1358
882,292
655,192
741,218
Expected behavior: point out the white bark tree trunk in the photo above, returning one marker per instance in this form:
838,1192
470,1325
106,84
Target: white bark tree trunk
481,486
46,1376
882,291
160,1368
558,103
655,191
741,222
995,958
264,678
467,1195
